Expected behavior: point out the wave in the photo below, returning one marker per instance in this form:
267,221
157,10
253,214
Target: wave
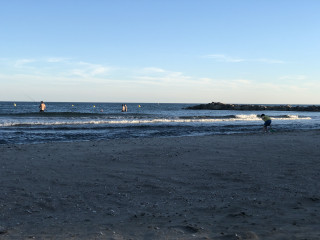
127,115
244,117
75,115
208,117
50,114
290,117
139,121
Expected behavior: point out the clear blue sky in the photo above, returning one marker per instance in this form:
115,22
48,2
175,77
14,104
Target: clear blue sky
199,51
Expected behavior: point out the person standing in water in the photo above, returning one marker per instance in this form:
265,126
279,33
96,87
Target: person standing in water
124,108
42,106
267,122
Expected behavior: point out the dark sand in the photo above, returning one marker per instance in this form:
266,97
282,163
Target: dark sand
261,186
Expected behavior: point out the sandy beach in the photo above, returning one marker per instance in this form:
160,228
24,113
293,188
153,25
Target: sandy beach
251,186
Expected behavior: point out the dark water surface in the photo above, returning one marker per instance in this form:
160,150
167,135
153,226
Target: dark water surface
21,122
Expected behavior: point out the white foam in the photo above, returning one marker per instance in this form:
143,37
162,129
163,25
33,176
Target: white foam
238,118
293,117
251,117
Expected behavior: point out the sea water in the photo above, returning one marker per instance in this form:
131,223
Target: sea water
21,122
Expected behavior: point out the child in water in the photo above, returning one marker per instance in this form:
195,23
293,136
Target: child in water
267,122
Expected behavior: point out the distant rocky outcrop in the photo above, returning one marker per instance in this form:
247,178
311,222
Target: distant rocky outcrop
254,107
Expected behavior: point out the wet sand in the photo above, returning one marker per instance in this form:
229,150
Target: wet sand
251,186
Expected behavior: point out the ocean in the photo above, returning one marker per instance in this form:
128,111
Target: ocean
21,122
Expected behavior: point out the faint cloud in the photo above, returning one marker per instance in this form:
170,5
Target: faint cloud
158,76
242,81
68,75
153,69
23,62
226,58
230,83
265,60
56,60
90,70
58,67
293,77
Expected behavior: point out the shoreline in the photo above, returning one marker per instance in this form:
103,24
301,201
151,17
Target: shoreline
253,186
275,132
281,131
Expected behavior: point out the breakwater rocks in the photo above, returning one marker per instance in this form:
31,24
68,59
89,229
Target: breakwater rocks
253,107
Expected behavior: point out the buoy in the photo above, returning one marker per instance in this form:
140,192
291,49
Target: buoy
14,104
139,106
94,106
72,105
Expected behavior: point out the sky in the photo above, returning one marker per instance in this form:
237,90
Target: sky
174,51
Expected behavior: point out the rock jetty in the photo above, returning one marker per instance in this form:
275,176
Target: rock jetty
254,107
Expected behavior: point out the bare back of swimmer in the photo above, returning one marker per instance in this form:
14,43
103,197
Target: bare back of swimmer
42,106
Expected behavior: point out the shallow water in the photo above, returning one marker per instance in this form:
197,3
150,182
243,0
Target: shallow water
21,122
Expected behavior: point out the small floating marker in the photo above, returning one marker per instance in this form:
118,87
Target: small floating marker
72,105
14,105
94,106
139,106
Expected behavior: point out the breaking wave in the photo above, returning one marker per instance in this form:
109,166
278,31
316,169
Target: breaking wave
130,120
